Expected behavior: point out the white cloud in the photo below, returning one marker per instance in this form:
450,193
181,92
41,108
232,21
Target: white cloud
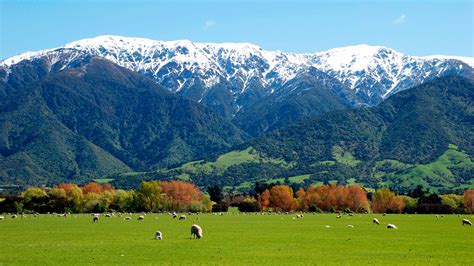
400,20
209,24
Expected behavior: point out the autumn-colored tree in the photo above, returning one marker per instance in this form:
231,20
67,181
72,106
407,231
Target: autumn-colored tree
468,200
108,187
92,187
179,195
385,200
281,198
356,199
300,195
264,199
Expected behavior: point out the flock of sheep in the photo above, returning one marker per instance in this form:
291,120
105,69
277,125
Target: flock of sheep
196,230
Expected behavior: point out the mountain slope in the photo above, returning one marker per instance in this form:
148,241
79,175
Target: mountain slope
101,108
234,79
418,136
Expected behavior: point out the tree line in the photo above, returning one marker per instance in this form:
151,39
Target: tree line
152,196
158,196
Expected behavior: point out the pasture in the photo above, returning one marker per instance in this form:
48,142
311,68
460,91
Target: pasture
238,239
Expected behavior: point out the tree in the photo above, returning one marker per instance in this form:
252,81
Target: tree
215,193
179,195
281,198
150,195
468,200
385,200
356,199
92,187
264,199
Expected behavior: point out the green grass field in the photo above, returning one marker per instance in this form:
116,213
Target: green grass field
238,239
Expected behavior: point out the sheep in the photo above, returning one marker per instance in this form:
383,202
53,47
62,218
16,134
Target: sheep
127,218
466,221
196,231
14,216
392,226
141,218
350,226
2,217
182,217
95,219
339,216
376,221
299,216
351,214
108,215
158,235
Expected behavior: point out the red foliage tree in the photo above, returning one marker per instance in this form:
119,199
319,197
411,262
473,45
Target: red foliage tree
264,199
179,195
468,200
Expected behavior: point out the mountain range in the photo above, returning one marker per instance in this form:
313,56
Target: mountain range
110,105
260,90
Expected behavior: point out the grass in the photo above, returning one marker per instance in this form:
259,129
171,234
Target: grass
103,180
434,175
344,157
238,239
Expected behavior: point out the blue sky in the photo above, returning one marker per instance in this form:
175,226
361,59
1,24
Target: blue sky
413,27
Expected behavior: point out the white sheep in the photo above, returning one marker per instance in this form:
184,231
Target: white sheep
182,217
158,235
350,226
141,218
339,216
108,215
466,221
2,217
196,231
392,226
299,216
14,216
95,219
376,221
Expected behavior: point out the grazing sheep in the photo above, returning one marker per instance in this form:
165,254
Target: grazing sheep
437,216
299,216
95,219
158,235
392,226
196,231
350,226
339,216
2,217
108,215
376,221
141,218
466,221
127,218
351,214
182,217
14,216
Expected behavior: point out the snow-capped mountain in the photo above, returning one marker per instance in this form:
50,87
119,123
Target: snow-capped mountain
230,76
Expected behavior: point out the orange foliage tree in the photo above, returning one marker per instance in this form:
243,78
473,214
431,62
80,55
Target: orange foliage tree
92,187
332,197
281,198
264,199
468,200
385,200
179,195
